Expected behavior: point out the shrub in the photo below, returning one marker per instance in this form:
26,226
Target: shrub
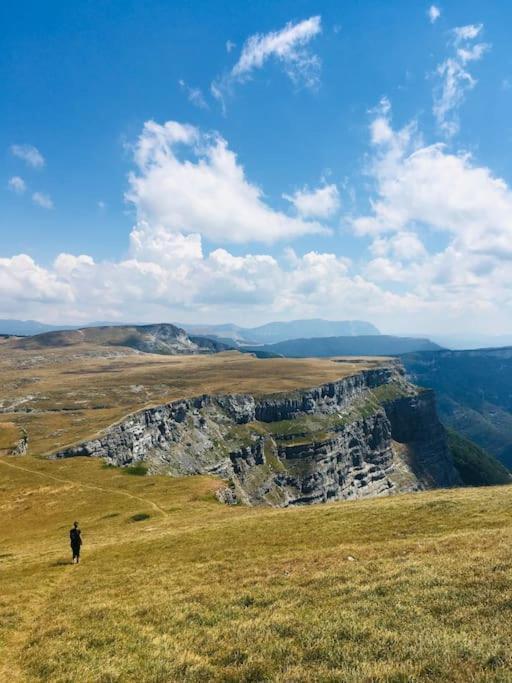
139,517
139,470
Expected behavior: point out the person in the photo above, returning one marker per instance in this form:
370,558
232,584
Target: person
76,541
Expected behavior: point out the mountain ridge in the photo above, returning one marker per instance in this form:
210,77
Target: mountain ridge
163,338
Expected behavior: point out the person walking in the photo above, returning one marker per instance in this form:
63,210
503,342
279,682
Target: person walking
76,541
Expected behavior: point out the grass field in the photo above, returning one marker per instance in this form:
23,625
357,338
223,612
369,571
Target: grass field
61,396
409,588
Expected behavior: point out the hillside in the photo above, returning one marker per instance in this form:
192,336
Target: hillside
474,465
366,345
474,393
163,338
407,588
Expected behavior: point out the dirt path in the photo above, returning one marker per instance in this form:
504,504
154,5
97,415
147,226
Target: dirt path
87,486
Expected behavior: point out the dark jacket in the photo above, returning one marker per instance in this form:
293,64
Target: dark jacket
75,538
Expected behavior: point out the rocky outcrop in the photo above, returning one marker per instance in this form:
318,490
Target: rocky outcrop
339,440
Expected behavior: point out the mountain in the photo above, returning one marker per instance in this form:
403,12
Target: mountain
366,345
26,327
474,392
274,332
473,341
163,338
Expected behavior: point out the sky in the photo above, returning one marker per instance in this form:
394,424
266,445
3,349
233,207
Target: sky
245,162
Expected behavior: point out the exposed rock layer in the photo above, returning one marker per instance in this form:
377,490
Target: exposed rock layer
372,433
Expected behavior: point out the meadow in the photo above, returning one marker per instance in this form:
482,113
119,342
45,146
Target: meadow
175,586
64,395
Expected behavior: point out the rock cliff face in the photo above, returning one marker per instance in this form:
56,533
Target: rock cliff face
369,434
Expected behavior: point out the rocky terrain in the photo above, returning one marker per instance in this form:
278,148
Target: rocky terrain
371,433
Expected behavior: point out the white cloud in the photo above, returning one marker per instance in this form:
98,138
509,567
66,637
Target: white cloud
424,191
440,228
405,246
17,184
433,13
203,191
42,199
464,33
456,80
320,203
22,280
288,46
427,185
230,45
30,155
194,95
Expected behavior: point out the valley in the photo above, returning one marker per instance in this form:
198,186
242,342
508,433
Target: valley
474,393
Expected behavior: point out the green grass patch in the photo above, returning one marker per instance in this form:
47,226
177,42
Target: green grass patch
138,470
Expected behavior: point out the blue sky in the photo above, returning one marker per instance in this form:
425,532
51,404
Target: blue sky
343,160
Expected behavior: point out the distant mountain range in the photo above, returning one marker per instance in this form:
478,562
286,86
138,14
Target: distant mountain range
27,328
474,393
367,345
272,333
264,334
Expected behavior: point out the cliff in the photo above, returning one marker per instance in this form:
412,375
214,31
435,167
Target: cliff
372,433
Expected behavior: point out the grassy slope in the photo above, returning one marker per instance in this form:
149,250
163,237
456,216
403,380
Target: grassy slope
205,592
66,395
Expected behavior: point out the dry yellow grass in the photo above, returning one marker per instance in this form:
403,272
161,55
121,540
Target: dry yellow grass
10,434
65,395
204,592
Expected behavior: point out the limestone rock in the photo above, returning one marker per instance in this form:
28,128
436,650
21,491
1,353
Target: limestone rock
369,434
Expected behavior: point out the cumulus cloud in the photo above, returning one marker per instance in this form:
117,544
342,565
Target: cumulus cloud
43,200
22,280
289,47
29,154
439,228
425,191
433,13
190,182
429,186
320,203
455,78
17,184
